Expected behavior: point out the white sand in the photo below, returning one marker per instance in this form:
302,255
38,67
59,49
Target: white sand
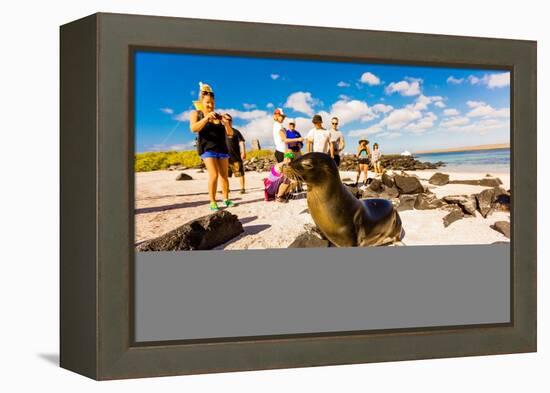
162,204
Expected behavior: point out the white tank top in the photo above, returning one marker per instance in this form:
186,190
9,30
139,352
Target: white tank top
279,144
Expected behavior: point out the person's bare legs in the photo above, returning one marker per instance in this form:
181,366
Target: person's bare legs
212,169
223,165
359,170
283,188
241,179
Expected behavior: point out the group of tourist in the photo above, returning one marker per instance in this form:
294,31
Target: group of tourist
222,149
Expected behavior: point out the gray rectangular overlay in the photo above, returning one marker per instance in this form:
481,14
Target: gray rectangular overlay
212,294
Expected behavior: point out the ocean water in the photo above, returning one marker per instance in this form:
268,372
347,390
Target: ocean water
490,161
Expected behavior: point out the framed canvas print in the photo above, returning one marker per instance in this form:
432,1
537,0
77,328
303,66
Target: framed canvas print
243,196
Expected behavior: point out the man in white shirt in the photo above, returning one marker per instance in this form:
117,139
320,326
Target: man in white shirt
337,140
318,139
278,132
279,135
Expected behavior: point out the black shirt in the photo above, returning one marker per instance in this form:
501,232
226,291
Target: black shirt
211,137
233,145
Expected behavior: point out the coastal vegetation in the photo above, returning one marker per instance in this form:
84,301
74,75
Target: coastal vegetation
153,161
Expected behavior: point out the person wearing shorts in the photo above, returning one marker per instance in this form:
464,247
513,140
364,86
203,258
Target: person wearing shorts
363,156
376,158
212,129
237,153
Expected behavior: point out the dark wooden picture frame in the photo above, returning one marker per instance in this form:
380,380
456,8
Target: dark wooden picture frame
97,239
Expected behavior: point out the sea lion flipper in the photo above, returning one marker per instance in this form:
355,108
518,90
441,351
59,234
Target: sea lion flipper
377,209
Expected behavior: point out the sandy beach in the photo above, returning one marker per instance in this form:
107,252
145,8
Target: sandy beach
162,204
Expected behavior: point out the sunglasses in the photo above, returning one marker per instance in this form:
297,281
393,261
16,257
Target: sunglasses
207,93
334,124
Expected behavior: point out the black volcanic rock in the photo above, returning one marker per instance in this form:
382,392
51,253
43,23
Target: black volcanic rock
183,176
484,201
308,240
485,182
502,227
387,179
454,215
427,201
466,202
406,202
408,184
439,179
203,233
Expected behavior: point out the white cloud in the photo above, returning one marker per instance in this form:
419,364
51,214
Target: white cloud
440,104
370,79
366,131
390,135
481,126
498,80
475,104
454,81
259,128
484,110
454,122
168,111
501,79
244,115
474,80
301,101
249,106
382,108
342,84
492,81
184,116
304,124
404,87
275,76
451,112
270,105
400,118
426,122
344,97
235,113
422,102
348,111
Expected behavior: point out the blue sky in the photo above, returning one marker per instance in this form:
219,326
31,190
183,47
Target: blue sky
400,107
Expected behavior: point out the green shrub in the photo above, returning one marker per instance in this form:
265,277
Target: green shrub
154,161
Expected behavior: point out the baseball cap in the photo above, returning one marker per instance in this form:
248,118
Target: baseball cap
279,111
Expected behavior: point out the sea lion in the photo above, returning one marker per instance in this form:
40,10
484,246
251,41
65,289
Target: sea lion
345,220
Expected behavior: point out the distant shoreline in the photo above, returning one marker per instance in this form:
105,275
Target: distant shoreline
494,146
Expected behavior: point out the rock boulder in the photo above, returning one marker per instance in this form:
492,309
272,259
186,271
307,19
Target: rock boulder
203,233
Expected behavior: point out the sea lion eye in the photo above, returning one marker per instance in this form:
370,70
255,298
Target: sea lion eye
307,164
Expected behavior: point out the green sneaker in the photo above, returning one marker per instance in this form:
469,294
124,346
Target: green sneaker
214,206
228,203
